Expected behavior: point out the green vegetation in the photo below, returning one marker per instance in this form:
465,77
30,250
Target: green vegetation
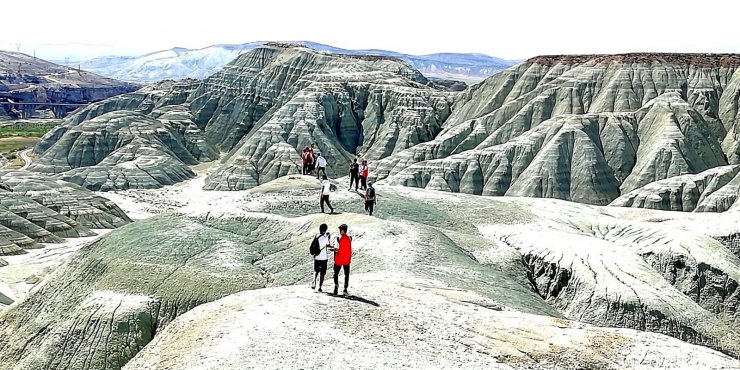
13,144
25,130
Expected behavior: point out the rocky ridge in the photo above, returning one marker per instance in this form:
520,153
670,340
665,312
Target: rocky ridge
177,63
636,118
582,128
714,190
35,209
474,256
259,108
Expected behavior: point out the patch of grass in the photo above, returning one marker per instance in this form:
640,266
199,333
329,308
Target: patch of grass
13,144
15,163
25,130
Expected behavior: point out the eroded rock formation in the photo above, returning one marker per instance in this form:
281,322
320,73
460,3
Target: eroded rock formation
261,108
36,209
580,128
714,190
629,120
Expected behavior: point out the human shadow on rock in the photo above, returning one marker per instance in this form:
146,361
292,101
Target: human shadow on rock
354,298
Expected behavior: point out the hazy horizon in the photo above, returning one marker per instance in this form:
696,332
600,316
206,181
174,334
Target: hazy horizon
83,29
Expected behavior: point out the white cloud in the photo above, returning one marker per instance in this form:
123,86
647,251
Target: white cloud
514,29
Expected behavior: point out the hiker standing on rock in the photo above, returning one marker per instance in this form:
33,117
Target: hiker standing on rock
354,172
312,159
342,258
324,193
319,247
370,199
304,157
321,163
364,172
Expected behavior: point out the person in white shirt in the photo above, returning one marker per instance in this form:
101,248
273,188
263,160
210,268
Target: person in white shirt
321,164
324,194
320,260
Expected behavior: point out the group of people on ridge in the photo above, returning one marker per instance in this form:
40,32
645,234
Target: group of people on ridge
323,244
358,173
312,160
341,247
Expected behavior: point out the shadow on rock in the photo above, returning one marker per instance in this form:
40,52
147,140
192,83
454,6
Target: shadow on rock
354,298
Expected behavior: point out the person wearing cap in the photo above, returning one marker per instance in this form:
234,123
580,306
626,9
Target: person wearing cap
342,258
370,199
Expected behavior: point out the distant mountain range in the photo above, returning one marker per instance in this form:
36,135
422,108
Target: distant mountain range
177,63
26,79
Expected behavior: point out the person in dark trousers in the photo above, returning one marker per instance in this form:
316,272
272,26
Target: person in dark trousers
305,158
312,159
342,258
324,194
354,174
321,260
321,165
364,172
370,199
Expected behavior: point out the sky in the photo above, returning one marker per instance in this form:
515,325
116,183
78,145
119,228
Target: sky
516,29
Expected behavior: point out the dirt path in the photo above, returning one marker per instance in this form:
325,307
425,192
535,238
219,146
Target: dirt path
26,159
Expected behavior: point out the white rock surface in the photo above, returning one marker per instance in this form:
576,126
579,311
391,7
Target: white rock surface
409,323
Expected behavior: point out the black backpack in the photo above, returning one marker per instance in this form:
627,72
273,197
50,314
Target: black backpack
315,248
370,194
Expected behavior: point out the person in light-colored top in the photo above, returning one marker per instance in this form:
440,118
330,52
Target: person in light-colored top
321,164
320,260
324,194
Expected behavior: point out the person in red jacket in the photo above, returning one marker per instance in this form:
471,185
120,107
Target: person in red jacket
305,158
364,172
342,258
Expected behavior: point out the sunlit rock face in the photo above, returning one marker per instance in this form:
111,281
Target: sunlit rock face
583,128
714,190
261,109
37,209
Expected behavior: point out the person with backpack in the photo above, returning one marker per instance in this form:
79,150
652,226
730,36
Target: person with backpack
318,250
342,258
324,193
321,163
364,172
354,172
370,199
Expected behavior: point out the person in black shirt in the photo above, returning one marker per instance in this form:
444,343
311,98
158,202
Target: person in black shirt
354,174
370,199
